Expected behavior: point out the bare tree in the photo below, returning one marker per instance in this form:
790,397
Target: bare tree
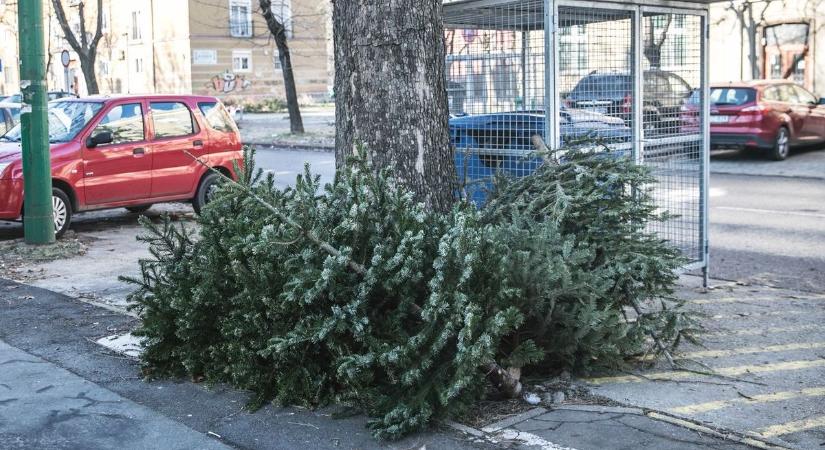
278,30
653,42
749,21
85,47
390,92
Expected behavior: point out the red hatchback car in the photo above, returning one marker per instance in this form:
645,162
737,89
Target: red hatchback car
770,115
110,152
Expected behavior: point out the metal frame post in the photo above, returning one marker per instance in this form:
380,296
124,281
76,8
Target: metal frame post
705,184
38,226
551,50
638,86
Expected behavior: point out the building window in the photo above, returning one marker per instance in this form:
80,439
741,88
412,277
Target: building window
138,65
240,18
242,60
282,11
137,33
276,56
104,19
104,67
573,49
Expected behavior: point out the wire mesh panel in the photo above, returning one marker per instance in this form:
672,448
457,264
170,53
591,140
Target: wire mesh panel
595,77
580,72
673,142
495,57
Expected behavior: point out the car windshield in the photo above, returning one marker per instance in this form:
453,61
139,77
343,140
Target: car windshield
731,96
603,84
66,119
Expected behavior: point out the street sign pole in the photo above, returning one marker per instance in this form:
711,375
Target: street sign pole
38,216
65,59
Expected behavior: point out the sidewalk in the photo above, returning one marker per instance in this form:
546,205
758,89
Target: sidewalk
272,129
59,389
45,406
767,344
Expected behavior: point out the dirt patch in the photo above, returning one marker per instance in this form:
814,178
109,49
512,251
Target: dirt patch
552,392
16,255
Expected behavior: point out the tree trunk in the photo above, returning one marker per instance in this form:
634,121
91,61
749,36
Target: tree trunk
390,92
278,31
296,124
87,66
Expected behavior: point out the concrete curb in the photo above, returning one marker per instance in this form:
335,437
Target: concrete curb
289,146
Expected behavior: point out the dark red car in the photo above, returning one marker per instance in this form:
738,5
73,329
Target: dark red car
110,152
770,115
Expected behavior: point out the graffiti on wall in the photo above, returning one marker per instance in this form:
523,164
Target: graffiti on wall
228,82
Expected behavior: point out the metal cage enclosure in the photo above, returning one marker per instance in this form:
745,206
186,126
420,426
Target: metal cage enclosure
631,74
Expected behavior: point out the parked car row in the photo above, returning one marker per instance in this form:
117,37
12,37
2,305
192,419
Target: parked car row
770,115
128,151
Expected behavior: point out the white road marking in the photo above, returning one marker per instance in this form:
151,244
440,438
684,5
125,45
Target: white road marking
771,211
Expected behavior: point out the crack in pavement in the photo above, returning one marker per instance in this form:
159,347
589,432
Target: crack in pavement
664,436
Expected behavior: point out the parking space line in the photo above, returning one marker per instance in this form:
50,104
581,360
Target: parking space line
757,315
792,427
712,301
726,371
769,330
751,350
761,398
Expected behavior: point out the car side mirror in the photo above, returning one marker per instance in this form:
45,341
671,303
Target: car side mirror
104,137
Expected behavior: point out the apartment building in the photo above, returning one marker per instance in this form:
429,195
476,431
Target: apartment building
212,47
769,39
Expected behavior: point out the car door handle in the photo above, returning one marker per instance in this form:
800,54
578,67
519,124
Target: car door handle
198,143
138,151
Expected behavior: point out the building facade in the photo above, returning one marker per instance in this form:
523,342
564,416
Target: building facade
212,47
769,39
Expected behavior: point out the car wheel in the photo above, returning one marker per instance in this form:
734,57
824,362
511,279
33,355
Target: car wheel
138,209
206,191
782,144
62,208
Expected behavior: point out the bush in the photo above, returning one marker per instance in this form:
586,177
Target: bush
355,293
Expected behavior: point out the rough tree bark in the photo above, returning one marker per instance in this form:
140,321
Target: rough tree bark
390,92
86,50
278,31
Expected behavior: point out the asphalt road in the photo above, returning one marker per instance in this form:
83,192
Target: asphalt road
768,230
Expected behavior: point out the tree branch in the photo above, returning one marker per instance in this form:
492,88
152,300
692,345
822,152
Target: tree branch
60,13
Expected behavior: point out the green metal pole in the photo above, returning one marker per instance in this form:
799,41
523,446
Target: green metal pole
38,220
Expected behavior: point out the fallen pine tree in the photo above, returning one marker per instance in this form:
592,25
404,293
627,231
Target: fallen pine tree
353,293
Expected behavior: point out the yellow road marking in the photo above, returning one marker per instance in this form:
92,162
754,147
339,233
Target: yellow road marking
754,331
726,371
711,301
761,398
757,315
793,427
751,350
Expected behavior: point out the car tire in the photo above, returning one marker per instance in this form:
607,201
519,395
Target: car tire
138,209
62,208
206,189
781,145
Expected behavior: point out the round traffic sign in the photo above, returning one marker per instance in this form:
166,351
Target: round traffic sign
65,58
